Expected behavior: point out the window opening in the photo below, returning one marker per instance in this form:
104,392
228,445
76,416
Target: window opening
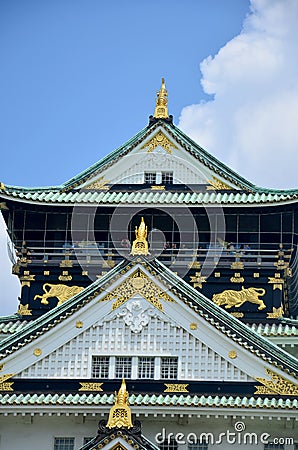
100,367
123,367
169,368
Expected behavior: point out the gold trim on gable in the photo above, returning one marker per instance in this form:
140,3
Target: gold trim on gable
138,283
217,185
159,140
98,185
277,385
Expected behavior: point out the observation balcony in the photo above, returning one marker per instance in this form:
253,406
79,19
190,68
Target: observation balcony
177,255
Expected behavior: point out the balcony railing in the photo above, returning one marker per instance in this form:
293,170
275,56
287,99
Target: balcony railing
265,255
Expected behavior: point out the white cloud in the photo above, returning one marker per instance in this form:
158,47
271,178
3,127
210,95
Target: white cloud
9,284
251,121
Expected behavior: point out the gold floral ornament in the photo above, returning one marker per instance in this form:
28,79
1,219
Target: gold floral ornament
120,413
232,354
277,385
161,108
140,244
37,351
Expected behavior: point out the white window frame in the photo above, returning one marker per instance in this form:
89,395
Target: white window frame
165,174
108,366
175,359
143,369
153,174
135,367
62,445
130,366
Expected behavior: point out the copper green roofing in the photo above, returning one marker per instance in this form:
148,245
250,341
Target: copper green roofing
275,329
181,401
201,305
69,193
149,197
11,326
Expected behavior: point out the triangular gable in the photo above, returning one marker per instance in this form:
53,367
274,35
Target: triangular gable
161,146
146,330
173,300
166,141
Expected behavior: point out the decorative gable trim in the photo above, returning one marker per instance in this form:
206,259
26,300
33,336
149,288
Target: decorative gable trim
159,140
276,385
138,283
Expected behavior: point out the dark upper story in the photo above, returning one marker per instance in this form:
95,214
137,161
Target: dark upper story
48,233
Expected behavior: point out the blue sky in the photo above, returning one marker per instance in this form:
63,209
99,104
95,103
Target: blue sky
79,78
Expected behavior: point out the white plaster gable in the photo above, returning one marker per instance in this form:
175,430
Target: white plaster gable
164,326
169,155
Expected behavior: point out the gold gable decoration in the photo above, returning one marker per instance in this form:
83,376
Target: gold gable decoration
138,283
140,244
120,413
277,385
161,108
100,184
217,185
159,140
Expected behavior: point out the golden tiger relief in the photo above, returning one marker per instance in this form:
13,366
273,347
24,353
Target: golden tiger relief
230,298
60,291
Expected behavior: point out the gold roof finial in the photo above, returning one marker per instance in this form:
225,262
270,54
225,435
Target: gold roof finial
120,414
140,244
161,109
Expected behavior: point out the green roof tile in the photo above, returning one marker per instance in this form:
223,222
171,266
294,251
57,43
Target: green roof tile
149,400
166,197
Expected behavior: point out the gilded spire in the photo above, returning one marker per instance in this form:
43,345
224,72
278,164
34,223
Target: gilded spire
140,244
120,414
161,109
